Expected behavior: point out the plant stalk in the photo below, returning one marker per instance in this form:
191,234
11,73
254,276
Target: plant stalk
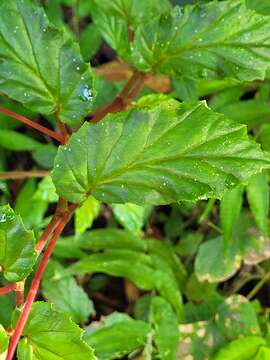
36,282
34,125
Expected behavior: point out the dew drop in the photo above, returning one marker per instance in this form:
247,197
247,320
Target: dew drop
3,218
86,93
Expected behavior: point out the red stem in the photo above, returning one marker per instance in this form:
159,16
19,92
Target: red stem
34,125
7,289
36,282
136,82
47,232
19,292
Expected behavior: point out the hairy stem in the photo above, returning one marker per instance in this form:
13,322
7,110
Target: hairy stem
34,125
13,175
124,98
36,282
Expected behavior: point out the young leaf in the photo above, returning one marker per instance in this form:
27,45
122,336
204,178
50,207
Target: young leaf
17,246
49,334
165,324
66,295
86,214
230,208
160,152
131,216
258,198
40,66
117,337
219,39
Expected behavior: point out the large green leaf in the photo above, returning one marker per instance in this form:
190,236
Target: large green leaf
41,66
215,40
17,246
117,336
50,335
158,153
146,271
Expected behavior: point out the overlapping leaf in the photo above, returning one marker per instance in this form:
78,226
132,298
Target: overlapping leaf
215,40
160,152
117,336
41,66
49,335
17,246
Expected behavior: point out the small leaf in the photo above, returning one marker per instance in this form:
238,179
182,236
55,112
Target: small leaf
17,246
131,216
219,39
230,208
166,334
263,353
49,334
66,295
244,349
46,191
258,198
40,66
4,340
116,338
86,214
28,206
158,153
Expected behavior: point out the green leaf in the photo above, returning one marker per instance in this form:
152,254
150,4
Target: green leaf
249,112
185,88
66,295
17,246
46,191
265,137
117,337
214,264
30,207
49,335
230,208
4,340
131,216
236,317
241,349
261,6
90,41
86,214
118,19
40,65
165,329
258,198
44,156
158,153
263,353
219,39
147,272
12,140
